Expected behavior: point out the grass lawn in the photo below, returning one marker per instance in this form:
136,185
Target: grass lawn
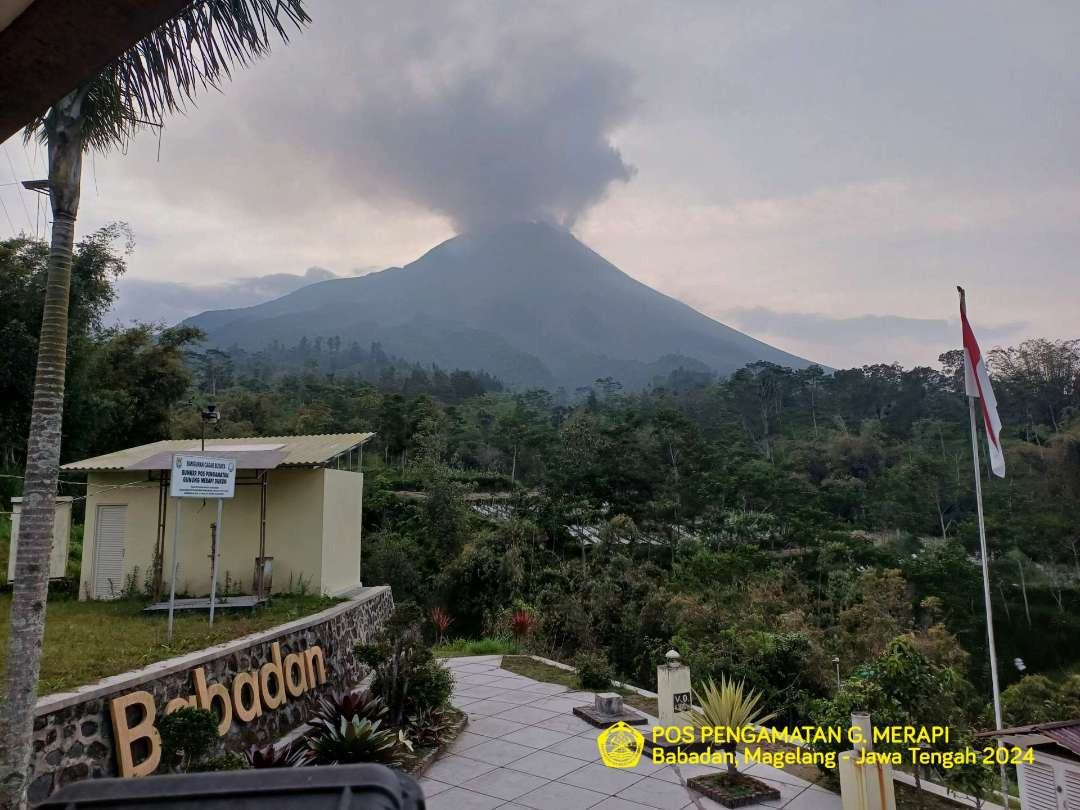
461,647
539,671
87,641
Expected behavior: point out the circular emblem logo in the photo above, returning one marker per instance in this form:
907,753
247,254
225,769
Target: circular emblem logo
620,746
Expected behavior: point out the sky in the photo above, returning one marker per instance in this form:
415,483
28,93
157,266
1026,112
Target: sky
820,175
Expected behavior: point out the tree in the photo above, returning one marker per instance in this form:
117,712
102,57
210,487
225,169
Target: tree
156,77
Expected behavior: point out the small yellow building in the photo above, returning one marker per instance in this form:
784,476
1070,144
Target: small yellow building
294,522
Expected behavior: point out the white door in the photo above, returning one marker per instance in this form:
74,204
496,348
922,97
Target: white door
109,551
1072,787
1038,786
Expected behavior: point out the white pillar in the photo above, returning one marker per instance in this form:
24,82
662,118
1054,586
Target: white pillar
673,691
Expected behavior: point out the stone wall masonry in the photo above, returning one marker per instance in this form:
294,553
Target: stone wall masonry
73,732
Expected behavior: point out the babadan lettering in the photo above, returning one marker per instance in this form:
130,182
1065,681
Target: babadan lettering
138,744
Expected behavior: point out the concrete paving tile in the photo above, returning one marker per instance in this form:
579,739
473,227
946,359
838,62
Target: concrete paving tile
657,793
646,766
542,688
505,784
557,796
528,715
814,798
476,679
476,667
536,737
668,773
570,723
547,764
519,696
577,747
461,799
509,683
617,803
560,703
430,787
597,776
761,771
787,792
477,691
455,769
466,740
497,752
494,726
488,707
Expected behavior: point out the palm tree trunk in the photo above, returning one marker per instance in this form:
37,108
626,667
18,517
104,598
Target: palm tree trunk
64,127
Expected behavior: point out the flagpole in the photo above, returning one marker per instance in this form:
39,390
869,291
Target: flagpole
986,593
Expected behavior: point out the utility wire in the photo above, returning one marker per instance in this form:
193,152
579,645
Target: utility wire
6,214
15,176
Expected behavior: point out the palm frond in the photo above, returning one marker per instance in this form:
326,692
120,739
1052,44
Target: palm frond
195,50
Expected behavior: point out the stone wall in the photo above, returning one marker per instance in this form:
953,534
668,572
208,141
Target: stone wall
73,731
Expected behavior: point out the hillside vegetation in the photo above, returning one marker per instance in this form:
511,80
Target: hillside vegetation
762,523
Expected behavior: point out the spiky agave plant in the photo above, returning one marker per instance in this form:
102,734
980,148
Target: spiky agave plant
730,705
351,741
362,703
275,756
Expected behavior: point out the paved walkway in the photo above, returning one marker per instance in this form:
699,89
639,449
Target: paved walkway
523,748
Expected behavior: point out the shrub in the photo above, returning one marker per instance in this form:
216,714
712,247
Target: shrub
441,621
226,762
521,624
187,737
362,703
407,676
729,705
430,727
351,741
274,756
477,646
593,670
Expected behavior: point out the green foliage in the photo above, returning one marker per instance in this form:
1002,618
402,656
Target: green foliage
1037,699
430,727
276,756
407,676
225,762
899,687
459,647
121,383
188,735
593,670
728,705
362,703
351,741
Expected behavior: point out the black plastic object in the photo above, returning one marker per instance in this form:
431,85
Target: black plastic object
340,787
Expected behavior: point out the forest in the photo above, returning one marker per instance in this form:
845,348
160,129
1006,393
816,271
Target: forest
795,528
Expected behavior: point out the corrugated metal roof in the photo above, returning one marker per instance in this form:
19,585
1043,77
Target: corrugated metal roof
1065,733
293,451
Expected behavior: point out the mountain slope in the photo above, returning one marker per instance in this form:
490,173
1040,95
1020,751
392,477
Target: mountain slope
527,302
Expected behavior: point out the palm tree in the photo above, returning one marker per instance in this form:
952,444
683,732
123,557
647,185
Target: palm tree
158,76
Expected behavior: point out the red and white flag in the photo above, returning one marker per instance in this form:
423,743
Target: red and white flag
977,384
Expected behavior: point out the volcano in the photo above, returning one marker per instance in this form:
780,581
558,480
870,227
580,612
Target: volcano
527,302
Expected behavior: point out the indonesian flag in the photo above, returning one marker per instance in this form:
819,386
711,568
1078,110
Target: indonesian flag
977,384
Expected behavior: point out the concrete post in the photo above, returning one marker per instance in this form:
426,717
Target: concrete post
673,691
865,786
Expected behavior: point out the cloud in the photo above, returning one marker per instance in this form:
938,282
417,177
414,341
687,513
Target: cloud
862,339
481,129
170,302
